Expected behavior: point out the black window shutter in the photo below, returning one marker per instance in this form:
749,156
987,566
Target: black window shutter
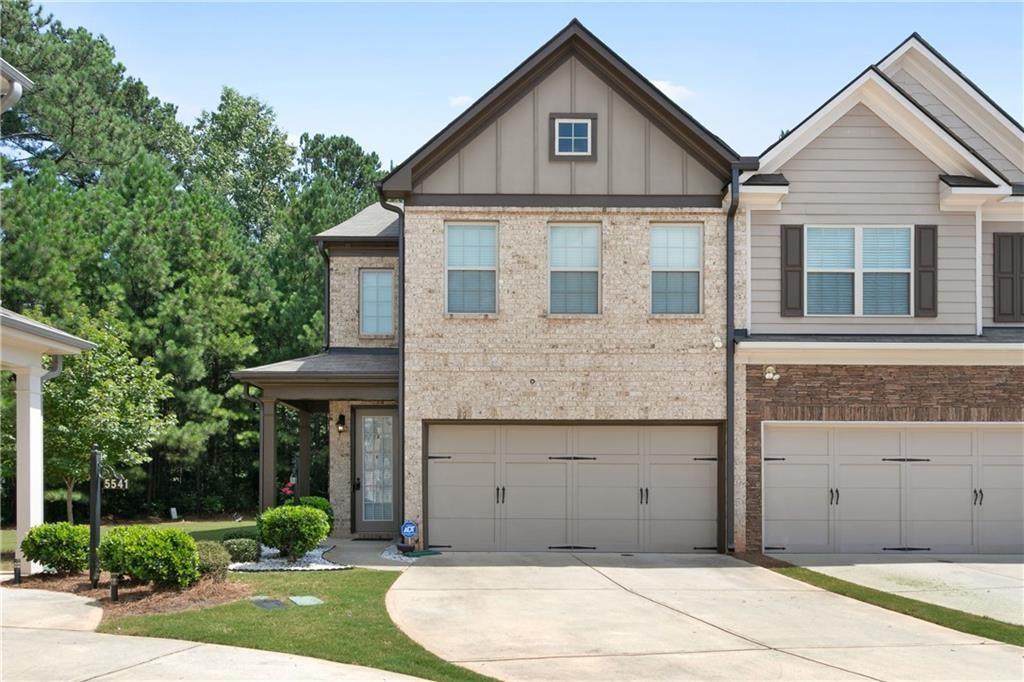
792,262
1008,277
926,271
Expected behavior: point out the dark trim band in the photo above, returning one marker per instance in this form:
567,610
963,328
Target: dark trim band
569,200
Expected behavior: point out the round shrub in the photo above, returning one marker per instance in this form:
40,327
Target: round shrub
294,530
167,557
213,559
121,551
242,549
323,505
247,533
61,546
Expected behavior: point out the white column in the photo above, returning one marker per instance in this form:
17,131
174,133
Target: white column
29,403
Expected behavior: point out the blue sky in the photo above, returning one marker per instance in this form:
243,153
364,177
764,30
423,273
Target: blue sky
392,75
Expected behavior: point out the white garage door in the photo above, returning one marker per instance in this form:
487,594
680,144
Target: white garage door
893,488
601,488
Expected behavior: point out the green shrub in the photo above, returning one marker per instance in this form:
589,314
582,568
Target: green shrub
61,546
323,505
247,533
294,530
213,559
167,556
121,551
242,549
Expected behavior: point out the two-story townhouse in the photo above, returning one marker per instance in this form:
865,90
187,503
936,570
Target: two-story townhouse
528,343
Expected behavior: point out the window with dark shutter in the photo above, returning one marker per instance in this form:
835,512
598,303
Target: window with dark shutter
926,271
1008,277
792,266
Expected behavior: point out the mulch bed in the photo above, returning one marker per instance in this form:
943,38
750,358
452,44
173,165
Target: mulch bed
135,598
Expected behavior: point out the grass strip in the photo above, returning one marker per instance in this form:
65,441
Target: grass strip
351,626
972,624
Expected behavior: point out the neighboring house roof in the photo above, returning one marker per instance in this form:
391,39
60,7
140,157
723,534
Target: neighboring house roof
965,181
900,111
573,40
766,180
346,364
374,224
15,76
50,339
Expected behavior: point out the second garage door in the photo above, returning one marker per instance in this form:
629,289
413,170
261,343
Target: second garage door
894,488
599,488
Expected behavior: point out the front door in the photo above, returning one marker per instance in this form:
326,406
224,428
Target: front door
376,480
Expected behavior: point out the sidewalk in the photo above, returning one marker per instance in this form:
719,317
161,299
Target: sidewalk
49,636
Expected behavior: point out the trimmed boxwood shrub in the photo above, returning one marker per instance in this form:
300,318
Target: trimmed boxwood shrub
242,549
213,559
247,533
293,529
121,551
61,546
323,505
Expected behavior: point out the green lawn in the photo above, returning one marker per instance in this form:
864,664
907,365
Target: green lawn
200,530
351,626
970,623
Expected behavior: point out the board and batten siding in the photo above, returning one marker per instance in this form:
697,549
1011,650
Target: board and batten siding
989,228
512,154
861,172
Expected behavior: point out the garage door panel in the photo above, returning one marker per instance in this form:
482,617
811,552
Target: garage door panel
538,440
461,501
682,475
453,440
793,474
680,536
884,442
462,473
604,502
796,504
608,440
470,535
941,535
1007,442
681,503
536,474
701,441
939,442
867,514
786,442
796,535
609,534
536,534
868,536
863,474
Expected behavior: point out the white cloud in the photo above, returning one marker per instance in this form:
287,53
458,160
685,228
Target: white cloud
674,91
459,101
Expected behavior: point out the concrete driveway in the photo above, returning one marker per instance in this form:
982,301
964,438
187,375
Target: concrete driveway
668,617
988,585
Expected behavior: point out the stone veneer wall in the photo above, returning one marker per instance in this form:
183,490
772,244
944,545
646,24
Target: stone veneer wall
871,393
339,462
522,364
345,299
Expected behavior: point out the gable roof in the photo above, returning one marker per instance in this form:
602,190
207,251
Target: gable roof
373,224
916,40
919,126
573,40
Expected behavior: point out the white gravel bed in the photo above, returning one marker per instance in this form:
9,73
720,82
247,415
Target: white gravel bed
270,560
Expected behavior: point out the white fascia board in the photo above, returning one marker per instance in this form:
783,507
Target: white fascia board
1009,209
969,198
763,197
868,353
904,117
922,64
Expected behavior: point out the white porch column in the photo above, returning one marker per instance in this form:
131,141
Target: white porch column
29,403
268,453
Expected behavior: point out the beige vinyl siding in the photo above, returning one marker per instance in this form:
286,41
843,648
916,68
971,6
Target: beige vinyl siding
923,96
512,155
988,228
861,172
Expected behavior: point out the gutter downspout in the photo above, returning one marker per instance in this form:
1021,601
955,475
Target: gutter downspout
401,326
55,370
746,163
327,295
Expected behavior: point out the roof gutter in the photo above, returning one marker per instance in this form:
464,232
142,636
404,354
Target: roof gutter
726,539
400,331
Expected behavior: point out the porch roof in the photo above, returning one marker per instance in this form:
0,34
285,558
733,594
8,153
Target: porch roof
332,366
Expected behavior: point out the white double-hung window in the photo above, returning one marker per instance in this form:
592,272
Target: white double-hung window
858,270
675,269
471,262
376,303
574,269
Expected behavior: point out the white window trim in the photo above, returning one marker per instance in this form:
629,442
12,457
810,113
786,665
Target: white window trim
858,271
590,136
359,308
480,268
600,262
699,269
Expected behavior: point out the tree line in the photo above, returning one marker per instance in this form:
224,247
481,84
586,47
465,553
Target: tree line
183,250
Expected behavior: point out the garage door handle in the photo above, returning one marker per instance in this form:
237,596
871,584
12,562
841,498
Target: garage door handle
497,494
975,497
831,495
981,497
837,496
503,494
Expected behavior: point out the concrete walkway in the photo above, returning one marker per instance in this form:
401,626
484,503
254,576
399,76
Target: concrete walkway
49,636
990,586
668,617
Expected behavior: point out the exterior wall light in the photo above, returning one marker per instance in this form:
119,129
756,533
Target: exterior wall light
340,424
771,374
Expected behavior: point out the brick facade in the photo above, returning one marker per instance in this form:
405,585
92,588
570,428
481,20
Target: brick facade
345,299
871,393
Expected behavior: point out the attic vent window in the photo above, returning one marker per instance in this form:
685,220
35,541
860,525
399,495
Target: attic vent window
572,136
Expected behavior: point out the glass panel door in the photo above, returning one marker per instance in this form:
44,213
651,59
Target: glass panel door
375,471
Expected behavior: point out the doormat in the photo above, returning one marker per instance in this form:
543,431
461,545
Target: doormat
305,601
269,604
423,552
